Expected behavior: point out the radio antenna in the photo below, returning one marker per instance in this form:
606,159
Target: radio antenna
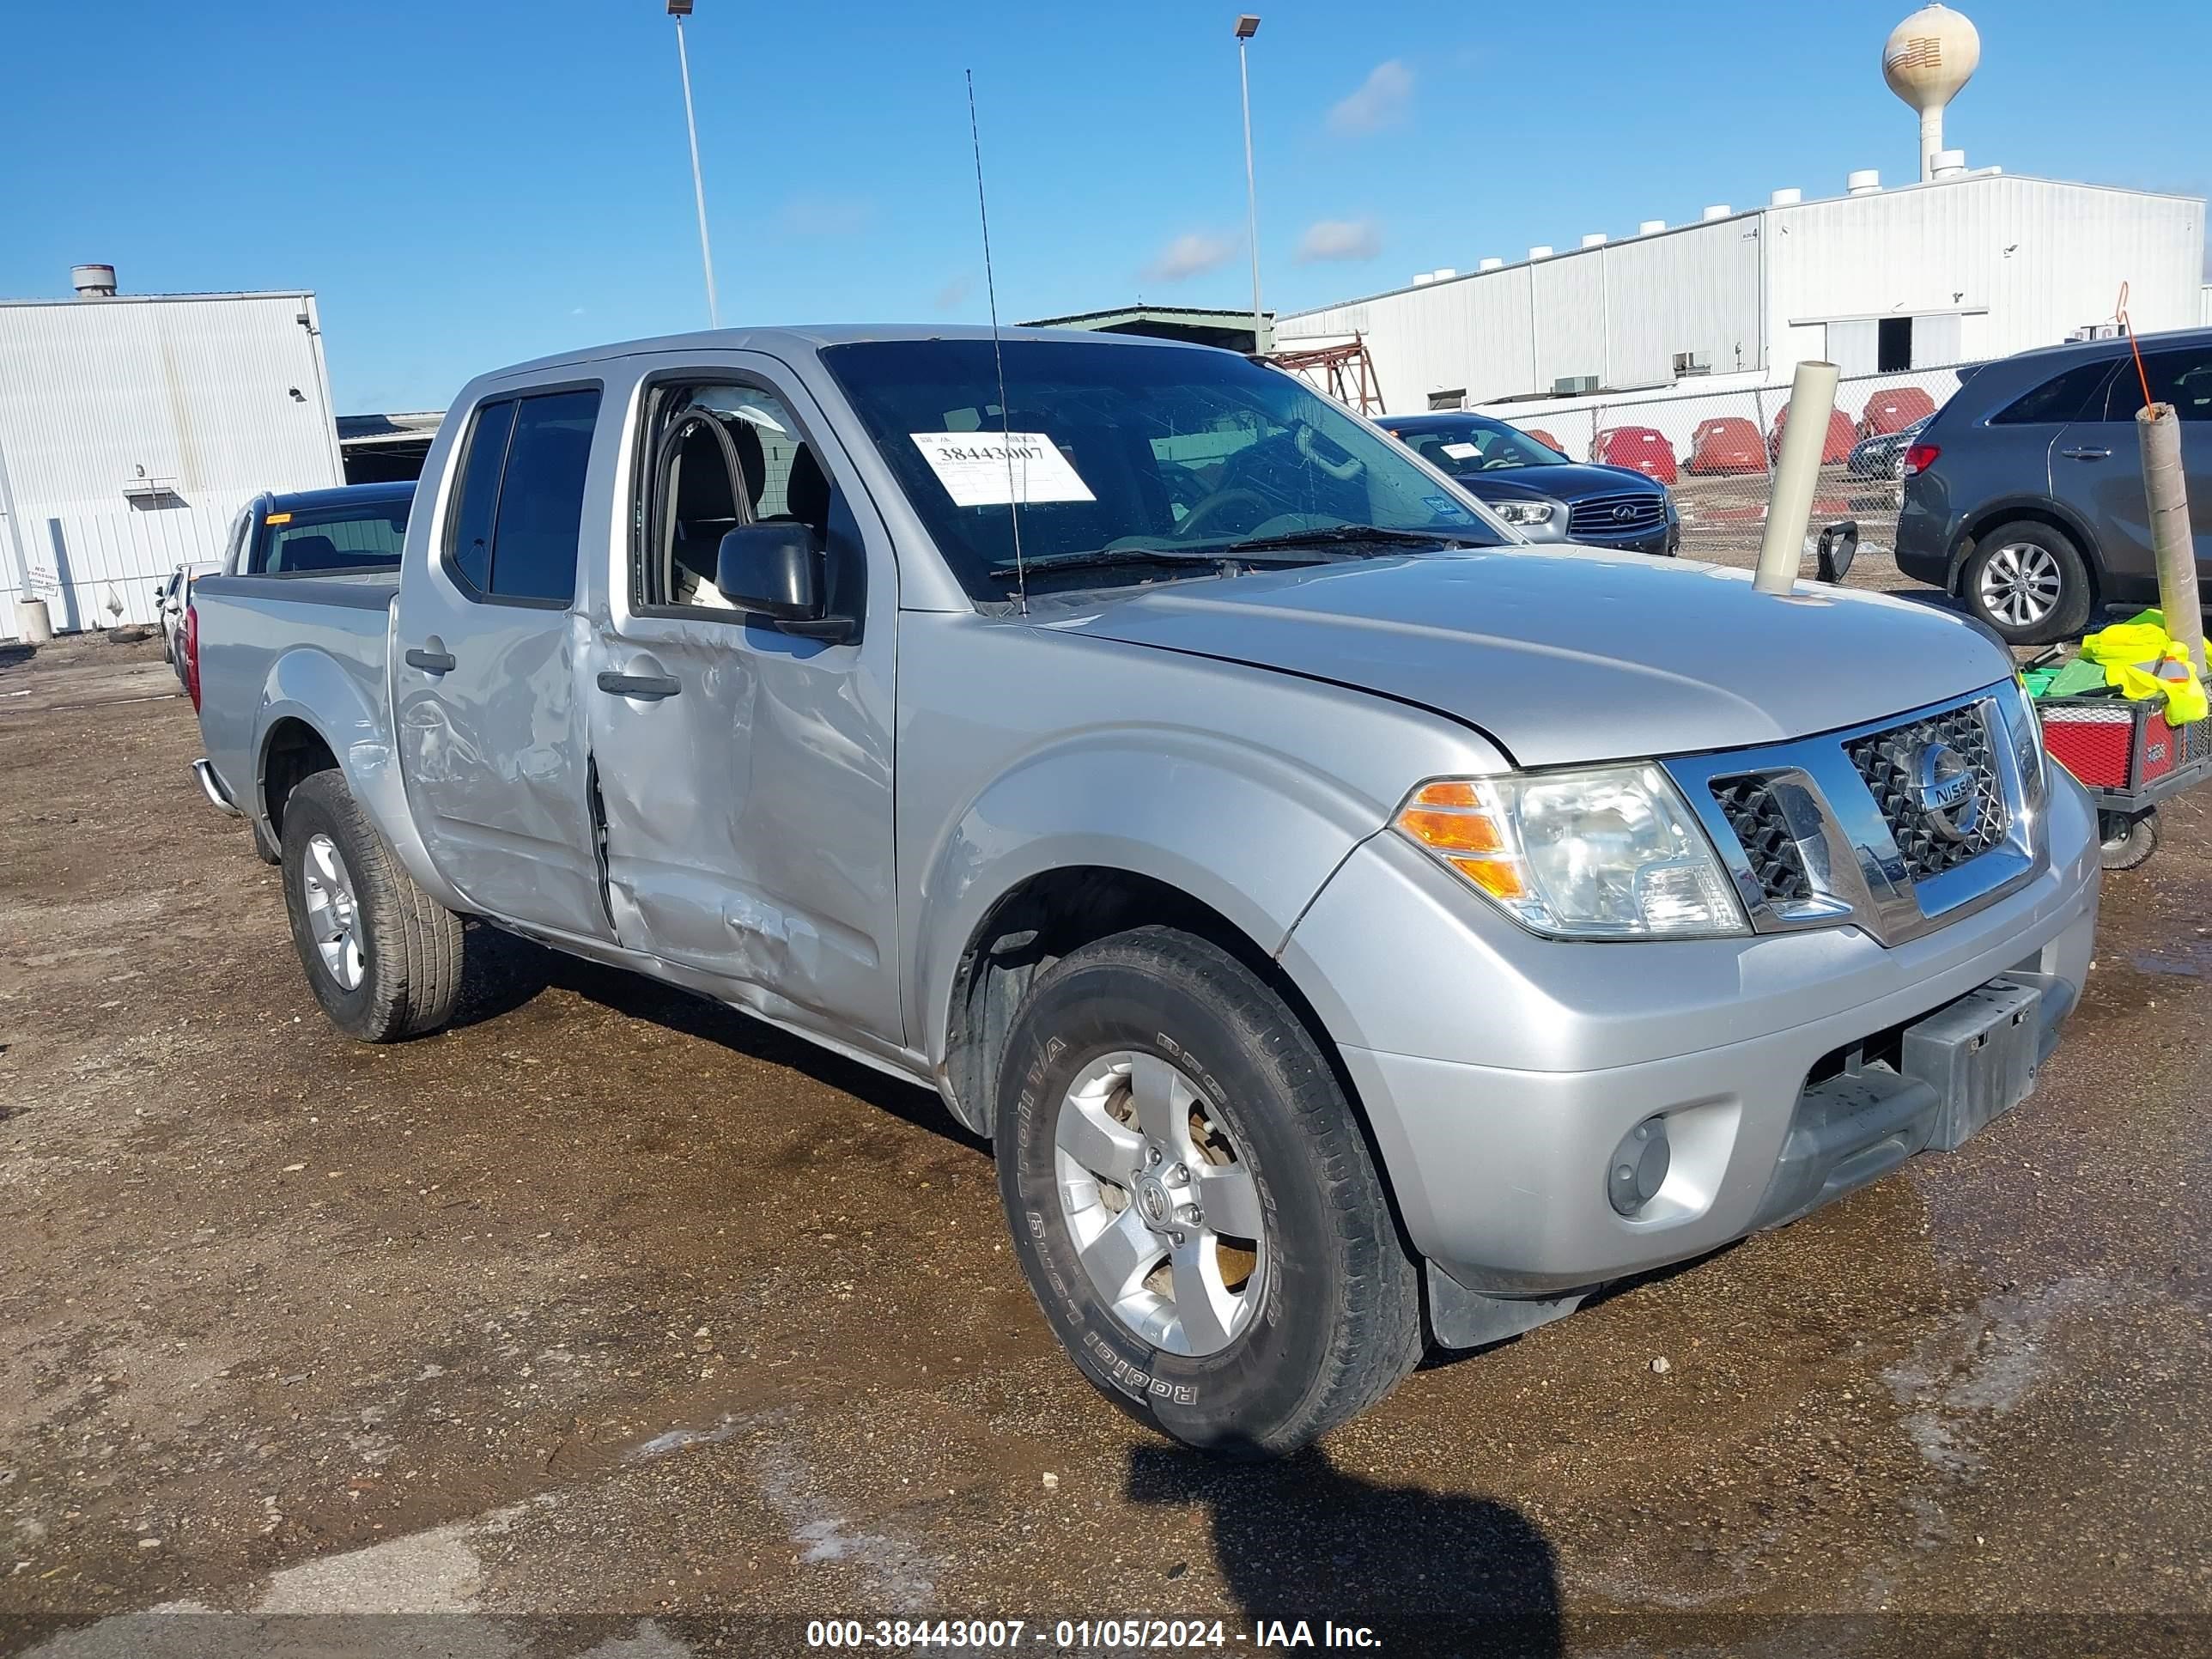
998,358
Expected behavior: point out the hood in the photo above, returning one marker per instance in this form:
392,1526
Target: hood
1571,482
1574,655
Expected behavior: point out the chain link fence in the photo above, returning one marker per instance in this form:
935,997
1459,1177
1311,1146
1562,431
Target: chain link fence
1716,452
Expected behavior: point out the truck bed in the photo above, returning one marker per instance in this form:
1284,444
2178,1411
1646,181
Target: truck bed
259,635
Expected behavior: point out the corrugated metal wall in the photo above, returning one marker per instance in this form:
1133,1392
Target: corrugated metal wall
1997,263
2024,262
192,404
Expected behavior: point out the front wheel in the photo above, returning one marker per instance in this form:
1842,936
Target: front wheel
2029,582
383,958
1193,1199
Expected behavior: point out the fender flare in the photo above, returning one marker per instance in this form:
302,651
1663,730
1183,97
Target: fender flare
1249,833
311,687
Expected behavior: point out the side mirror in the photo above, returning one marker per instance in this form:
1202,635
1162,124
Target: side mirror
771,570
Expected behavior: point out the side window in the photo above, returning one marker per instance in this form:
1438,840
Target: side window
541,497
468,545
234,553
722,456
2058,400
2182,376
521,501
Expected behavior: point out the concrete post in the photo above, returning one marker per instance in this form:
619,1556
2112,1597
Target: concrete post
2171,545
1797,470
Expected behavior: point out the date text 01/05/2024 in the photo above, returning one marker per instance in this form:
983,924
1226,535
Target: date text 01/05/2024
1083,1634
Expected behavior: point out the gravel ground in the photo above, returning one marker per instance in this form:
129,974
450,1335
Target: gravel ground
611,1322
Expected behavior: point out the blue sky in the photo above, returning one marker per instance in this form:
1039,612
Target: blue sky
466,184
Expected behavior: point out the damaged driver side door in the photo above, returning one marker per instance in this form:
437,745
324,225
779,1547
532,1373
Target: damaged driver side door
742,772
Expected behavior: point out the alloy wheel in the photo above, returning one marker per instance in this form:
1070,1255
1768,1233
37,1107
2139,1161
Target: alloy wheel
333,912
2019,583
1162,1207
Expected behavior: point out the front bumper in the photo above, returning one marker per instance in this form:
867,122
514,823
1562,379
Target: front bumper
1501,1071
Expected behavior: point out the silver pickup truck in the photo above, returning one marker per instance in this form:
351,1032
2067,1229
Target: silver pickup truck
1355,928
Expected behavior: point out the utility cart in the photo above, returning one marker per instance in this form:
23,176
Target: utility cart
2126,756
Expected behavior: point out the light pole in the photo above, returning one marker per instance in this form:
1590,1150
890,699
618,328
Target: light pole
1247,27
680,9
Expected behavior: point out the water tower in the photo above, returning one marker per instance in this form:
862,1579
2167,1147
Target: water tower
1929,56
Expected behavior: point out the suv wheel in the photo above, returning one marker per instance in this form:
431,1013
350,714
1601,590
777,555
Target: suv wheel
1192,1201
2029,582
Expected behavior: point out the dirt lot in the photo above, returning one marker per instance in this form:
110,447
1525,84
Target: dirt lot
610,1303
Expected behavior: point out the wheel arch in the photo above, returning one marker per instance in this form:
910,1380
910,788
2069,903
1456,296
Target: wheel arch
1051,912
2035,509
316,713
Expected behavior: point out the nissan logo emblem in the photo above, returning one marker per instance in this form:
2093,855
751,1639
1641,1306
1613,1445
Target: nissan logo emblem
1950,797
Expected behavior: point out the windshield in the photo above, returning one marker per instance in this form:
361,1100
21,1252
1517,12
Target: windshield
1468,446
1150,451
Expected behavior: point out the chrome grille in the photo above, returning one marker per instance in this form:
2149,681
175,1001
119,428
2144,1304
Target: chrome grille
1752,812
1616,515
1888,761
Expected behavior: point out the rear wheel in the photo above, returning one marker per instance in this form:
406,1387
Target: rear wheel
383,958
1194,1202
2029,582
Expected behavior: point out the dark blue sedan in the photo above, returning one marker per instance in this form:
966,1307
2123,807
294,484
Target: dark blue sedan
1538,491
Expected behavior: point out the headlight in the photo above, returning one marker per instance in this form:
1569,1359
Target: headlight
1524,512
2025,726
1610,853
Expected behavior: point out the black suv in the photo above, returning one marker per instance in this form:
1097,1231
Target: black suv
1538,491
2023,493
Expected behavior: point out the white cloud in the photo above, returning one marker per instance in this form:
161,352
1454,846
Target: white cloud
826,216
1340,239
1382,100
1189,255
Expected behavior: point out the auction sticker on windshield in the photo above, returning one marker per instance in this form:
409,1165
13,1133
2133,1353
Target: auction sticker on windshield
995,469
1464,451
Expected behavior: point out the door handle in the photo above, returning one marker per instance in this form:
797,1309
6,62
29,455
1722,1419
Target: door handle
433,662
647,688
2085,454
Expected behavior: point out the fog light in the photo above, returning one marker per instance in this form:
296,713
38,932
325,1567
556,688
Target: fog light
1639,1166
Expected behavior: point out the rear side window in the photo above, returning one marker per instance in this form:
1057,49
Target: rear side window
521,501
2182,376
2058,400
469,547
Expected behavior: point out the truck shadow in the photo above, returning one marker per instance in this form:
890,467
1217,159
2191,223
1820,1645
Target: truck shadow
1425,1571
502,974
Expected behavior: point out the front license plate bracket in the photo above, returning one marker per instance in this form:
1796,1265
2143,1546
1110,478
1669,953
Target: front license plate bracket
1979,1056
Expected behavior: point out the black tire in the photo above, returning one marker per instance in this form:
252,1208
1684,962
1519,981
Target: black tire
2126,842
2069,610
410,946
1339,1321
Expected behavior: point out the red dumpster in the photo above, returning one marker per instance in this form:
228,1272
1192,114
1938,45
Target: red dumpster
1640,448
1726,443
1546,439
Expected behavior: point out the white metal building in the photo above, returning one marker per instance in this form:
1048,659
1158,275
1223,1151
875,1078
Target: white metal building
1968,265
134,426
